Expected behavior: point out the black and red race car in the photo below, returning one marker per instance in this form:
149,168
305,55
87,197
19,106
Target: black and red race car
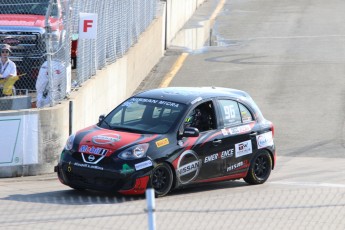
170,137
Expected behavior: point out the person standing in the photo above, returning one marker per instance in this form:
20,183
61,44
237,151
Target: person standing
46,94
8,70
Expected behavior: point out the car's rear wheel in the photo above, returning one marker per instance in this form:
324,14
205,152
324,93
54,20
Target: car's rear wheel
162,179
259,169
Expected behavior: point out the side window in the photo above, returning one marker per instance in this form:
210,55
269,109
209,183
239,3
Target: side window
230,112
245,113
202,117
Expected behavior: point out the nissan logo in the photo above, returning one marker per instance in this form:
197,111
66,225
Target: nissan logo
91,157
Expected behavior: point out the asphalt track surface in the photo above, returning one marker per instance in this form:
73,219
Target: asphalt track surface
290,56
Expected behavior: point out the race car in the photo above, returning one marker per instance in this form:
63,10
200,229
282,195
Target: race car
168,138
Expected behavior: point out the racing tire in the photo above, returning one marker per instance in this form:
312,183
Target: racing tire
162,179
260,169
77,188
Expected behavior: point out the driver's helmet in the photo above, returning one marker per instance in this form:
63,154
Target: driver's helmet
193,119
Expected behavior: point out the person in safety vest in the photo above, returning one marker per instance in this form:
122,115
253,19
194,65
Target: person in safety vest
8,71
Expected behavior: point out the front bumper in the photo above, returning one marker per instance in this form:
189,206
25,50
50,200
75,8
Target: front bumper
100,177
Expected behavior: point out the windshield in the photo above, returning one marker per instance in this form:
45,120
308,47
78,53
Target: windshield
36,7
144,115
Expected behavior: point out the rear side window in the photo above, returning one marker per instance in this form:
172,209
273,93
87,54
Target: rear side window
245,113
234,113
230,112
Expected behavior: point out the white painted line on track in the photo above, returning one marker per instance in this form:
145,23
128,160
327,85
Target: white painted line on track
300,37
309,184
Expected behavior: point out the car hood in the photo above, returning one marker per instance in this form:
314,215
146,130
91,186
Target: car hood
96,140
25,20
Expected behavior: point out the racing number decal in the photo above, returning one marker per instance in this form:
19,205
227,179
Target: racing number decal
229,112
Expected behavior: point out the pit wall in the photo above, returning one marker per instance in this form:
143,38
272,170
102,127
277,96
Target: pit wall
97,96
178,12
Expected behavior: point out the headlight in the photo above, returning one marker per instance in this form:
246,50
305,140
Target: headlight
69,143
134,152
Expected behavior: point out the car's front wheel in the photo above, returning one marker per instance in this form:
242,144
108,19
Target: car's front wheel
162,179
259,169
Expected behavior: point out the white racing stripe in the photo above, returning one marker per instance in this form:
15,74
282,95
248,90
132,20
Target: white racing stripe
309,184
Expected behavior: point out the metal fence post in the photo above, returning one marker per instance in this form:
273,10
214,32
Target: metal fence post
48,31
150,201
70,117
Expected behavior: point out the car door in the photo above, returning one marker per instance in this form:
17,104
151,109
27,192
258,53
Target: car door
207,145
239,138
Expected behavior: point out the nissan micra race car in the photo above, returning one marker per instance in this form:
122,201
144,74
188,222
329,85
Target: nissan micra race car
171,137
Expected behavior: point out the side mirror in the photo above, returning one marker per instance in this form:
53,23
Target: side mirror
101,118
190,132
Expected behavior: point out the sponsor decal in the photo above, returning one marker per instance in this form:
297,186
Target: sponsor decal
152,101
237,165
211,158
264,140
227,153
162,142
196,100
239,129
142,165
188,166
243,148
126,169
225,132
168,103
88,166
91,159
106,139
93,150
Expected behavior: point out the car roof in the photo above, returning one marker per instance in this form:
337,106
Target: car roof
187,95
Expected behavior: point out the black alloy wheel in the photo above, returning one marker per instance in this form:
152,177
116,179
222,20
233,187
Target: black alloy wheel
162,179
260,168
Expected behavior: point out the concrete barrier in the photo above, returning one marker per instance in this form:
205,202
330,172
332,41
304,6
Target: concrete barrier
15,102
101,93
178,12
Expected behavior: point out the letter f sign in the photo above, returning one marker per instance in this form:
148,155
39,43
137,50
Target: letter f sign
88,26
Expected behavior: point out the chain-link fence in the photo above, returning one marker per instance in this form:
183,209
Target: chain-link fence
119,27
227,207
43,36
38,33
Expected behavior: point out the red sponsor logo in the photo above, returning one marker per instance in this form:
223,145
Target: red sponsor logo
106,138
